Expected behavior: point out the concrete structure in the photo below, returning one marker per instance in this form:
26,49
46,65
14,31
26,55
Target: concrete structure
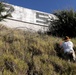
27,19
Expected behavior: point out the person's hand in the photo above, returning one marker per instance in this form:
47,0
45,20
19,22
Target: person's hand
60,43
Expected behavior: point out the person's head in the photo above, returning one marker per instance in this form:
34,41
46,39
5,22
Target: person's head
66,38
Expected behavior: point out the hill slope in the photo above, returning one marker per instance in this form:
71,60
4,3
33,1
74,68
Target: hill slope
26,53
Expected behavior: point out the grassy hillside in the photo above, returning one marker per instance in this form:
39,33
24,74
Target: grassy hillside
26,53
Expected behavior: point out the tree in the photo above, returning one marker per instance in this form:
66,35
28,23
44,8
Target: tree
4,13
65,24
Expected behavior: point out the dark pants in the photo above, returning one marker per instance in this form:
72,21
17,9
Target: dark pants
68,56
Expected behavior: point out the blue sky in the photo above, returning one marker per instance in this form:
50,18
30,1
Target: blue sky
48,6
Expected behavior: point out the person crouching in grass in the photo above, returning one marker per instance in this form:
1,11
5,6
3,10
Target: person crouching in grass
67,47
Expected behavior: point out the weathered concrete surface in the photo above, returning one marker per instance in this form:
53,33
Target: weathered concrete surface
28,19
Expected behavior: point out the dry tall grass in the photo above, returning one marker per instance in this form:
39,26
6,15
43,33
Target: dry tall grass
26,53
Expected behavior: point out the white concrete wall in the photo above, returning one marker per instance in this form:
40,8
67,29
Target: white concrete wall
24,25
28,19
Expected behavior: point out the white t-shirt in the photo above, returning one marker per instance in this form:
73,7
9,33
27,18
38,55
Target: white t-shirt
67,46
